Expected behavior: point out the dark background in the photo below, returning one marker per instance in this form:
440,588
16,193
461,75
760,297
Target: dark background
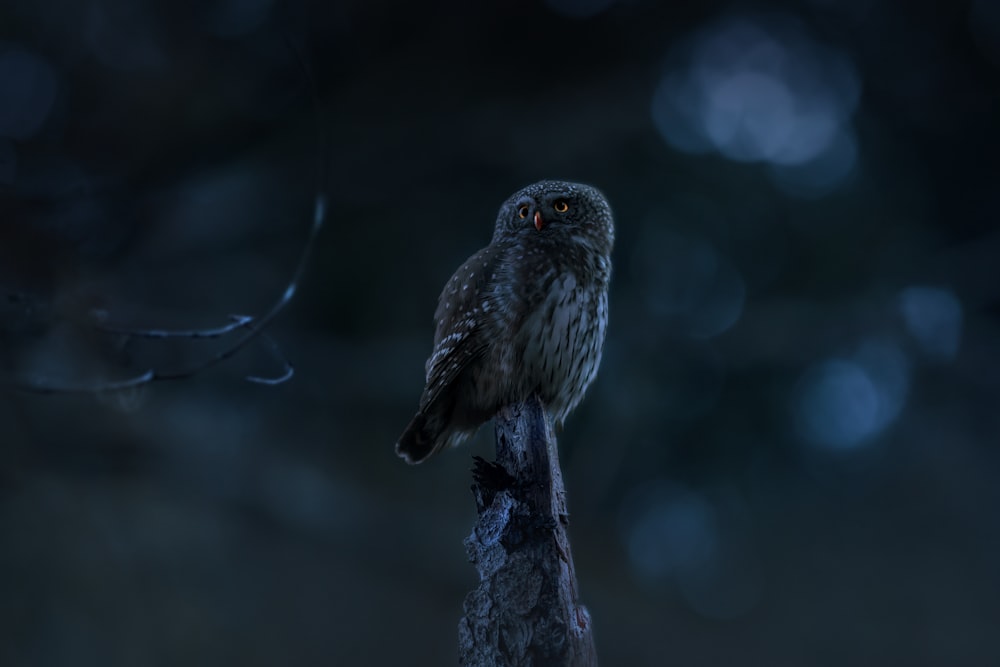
790,456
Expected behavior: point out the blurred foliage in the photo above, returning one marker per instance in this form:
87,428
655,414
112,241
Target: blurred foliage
789,456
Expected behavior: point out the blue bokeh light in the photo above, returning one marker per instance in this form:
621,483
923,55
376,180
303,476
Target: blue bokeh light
762,91
697,541
844,403
933,316
669,531
28,90
685,279
821,175
838,404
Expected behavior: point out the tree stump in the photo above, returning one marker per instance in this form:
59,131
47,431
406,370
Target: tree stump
524,612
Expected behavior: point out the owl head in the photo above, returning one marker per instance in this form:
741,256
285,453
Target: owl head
560,212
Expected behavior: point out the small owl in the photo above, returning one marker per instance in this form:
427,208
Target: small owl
525,314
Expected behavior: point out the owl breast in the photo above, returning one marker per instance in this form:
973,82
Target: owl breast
561,343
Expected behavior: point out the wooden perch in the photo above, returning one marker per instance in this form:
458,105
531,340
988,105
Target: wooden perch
524,613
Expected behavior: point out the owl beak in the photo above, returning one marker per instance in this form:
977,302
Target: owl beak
538,220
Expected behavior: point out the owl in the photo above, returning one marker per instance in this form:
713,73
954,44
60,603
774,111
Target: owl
526,314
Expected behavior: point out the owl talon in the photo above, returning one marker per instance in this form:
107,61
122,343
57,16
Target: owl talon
491,476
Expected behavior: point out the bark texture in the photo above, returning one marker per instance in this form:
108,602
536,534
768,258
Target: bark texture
524,613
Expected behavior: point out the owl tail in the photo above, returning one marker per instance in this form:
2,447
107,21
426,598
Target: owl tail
427,435
419,440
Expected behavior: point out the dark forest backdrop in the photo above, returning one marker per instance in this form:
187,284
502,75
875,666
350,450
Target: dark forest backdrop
790,456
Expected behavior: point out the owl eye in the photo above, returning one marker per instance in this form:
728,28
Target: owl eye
522,211
561,206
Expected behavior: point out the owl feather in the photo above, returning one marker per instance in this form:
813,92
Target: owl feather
525,314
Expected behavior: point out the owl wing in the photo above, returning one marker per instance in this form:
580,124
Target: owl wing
458,339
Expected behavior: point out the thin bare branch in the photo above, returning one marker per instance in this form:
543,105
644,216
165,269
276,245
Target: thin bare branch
253,327
259,324
32,387
288,370
237,321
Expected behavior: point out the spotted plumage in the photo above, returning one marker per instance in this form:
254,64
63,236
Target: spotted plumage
525,314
